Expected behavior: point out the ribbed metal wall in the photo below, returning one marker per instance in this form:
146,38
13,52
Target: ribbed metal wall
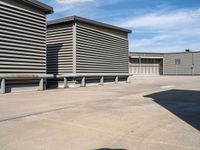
103,29
100,52
185,66
23,40
147,66
60,49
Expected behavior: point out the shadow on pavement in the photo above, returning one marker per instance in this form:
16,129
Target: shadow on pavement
183,103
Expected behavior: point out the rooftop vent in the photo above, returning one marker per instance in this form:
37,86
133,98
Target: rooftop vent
187,50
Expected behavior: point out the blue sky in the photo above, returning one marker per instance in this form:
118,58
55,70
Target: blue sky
158,25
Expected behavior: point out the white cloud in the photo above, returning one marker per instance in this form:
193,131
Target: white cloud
161,20
72,1
64,8
172,30
162,29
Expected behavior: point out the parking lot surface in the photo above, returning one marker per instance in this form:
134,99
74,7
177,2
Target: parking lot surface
150,113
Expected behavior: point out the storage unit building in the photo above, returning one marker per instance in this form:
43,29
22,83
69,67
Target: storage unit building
183,63
23,40
146,63
80,46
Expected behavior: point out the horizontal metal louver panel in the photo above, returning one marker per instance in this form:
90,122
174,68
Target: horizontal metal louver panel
23,21
60,49
23,35
20,22
27,70
23,40
5,27
27,53
56,31
21,11
100,52
22,27
7,36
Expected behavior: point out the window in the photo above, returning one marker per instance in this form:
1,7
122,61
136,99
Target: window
177,61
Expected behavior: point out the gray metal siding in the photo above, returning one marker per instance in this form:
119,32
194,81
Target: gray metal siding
184,68
60,49
197,63
100,52
23,40
103,29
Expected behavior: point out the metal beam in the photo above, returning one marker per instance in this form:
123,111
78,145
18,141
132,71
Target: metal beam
92,75
25,76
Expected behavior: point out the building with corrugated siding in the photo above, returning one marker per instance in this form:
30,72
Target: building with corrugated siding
23,41
80,46
183,63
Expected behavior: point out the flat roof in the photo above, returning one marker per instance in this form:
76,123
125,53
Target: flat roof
145,53
151,55
48,9
183,52
147,57
155,53
85,20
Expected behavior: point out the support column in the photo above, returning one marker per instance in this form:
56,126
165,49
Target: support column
127,81
116,79
83,82
41,84
3,86
102,81
65,83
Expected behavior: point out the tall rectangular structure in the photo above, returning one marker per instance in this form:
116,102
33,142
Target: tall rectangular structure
23,37
81,46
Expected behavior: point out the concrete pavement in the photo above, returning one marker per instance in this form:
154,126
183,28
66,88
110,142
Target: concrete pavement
150,113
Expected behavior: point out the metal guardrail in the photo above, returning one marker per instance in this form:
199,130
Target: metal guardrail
91,75
25,76
84,75
41,77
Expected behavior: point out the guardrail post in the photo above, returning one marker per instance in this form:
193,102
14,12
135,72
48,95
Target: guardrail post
3,86
83,82
102,81
116,79
41,84
65,83
127,81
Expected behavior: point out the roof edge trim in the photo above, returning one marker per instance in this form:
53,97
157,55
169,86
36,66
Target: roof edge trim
89,21
48,9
